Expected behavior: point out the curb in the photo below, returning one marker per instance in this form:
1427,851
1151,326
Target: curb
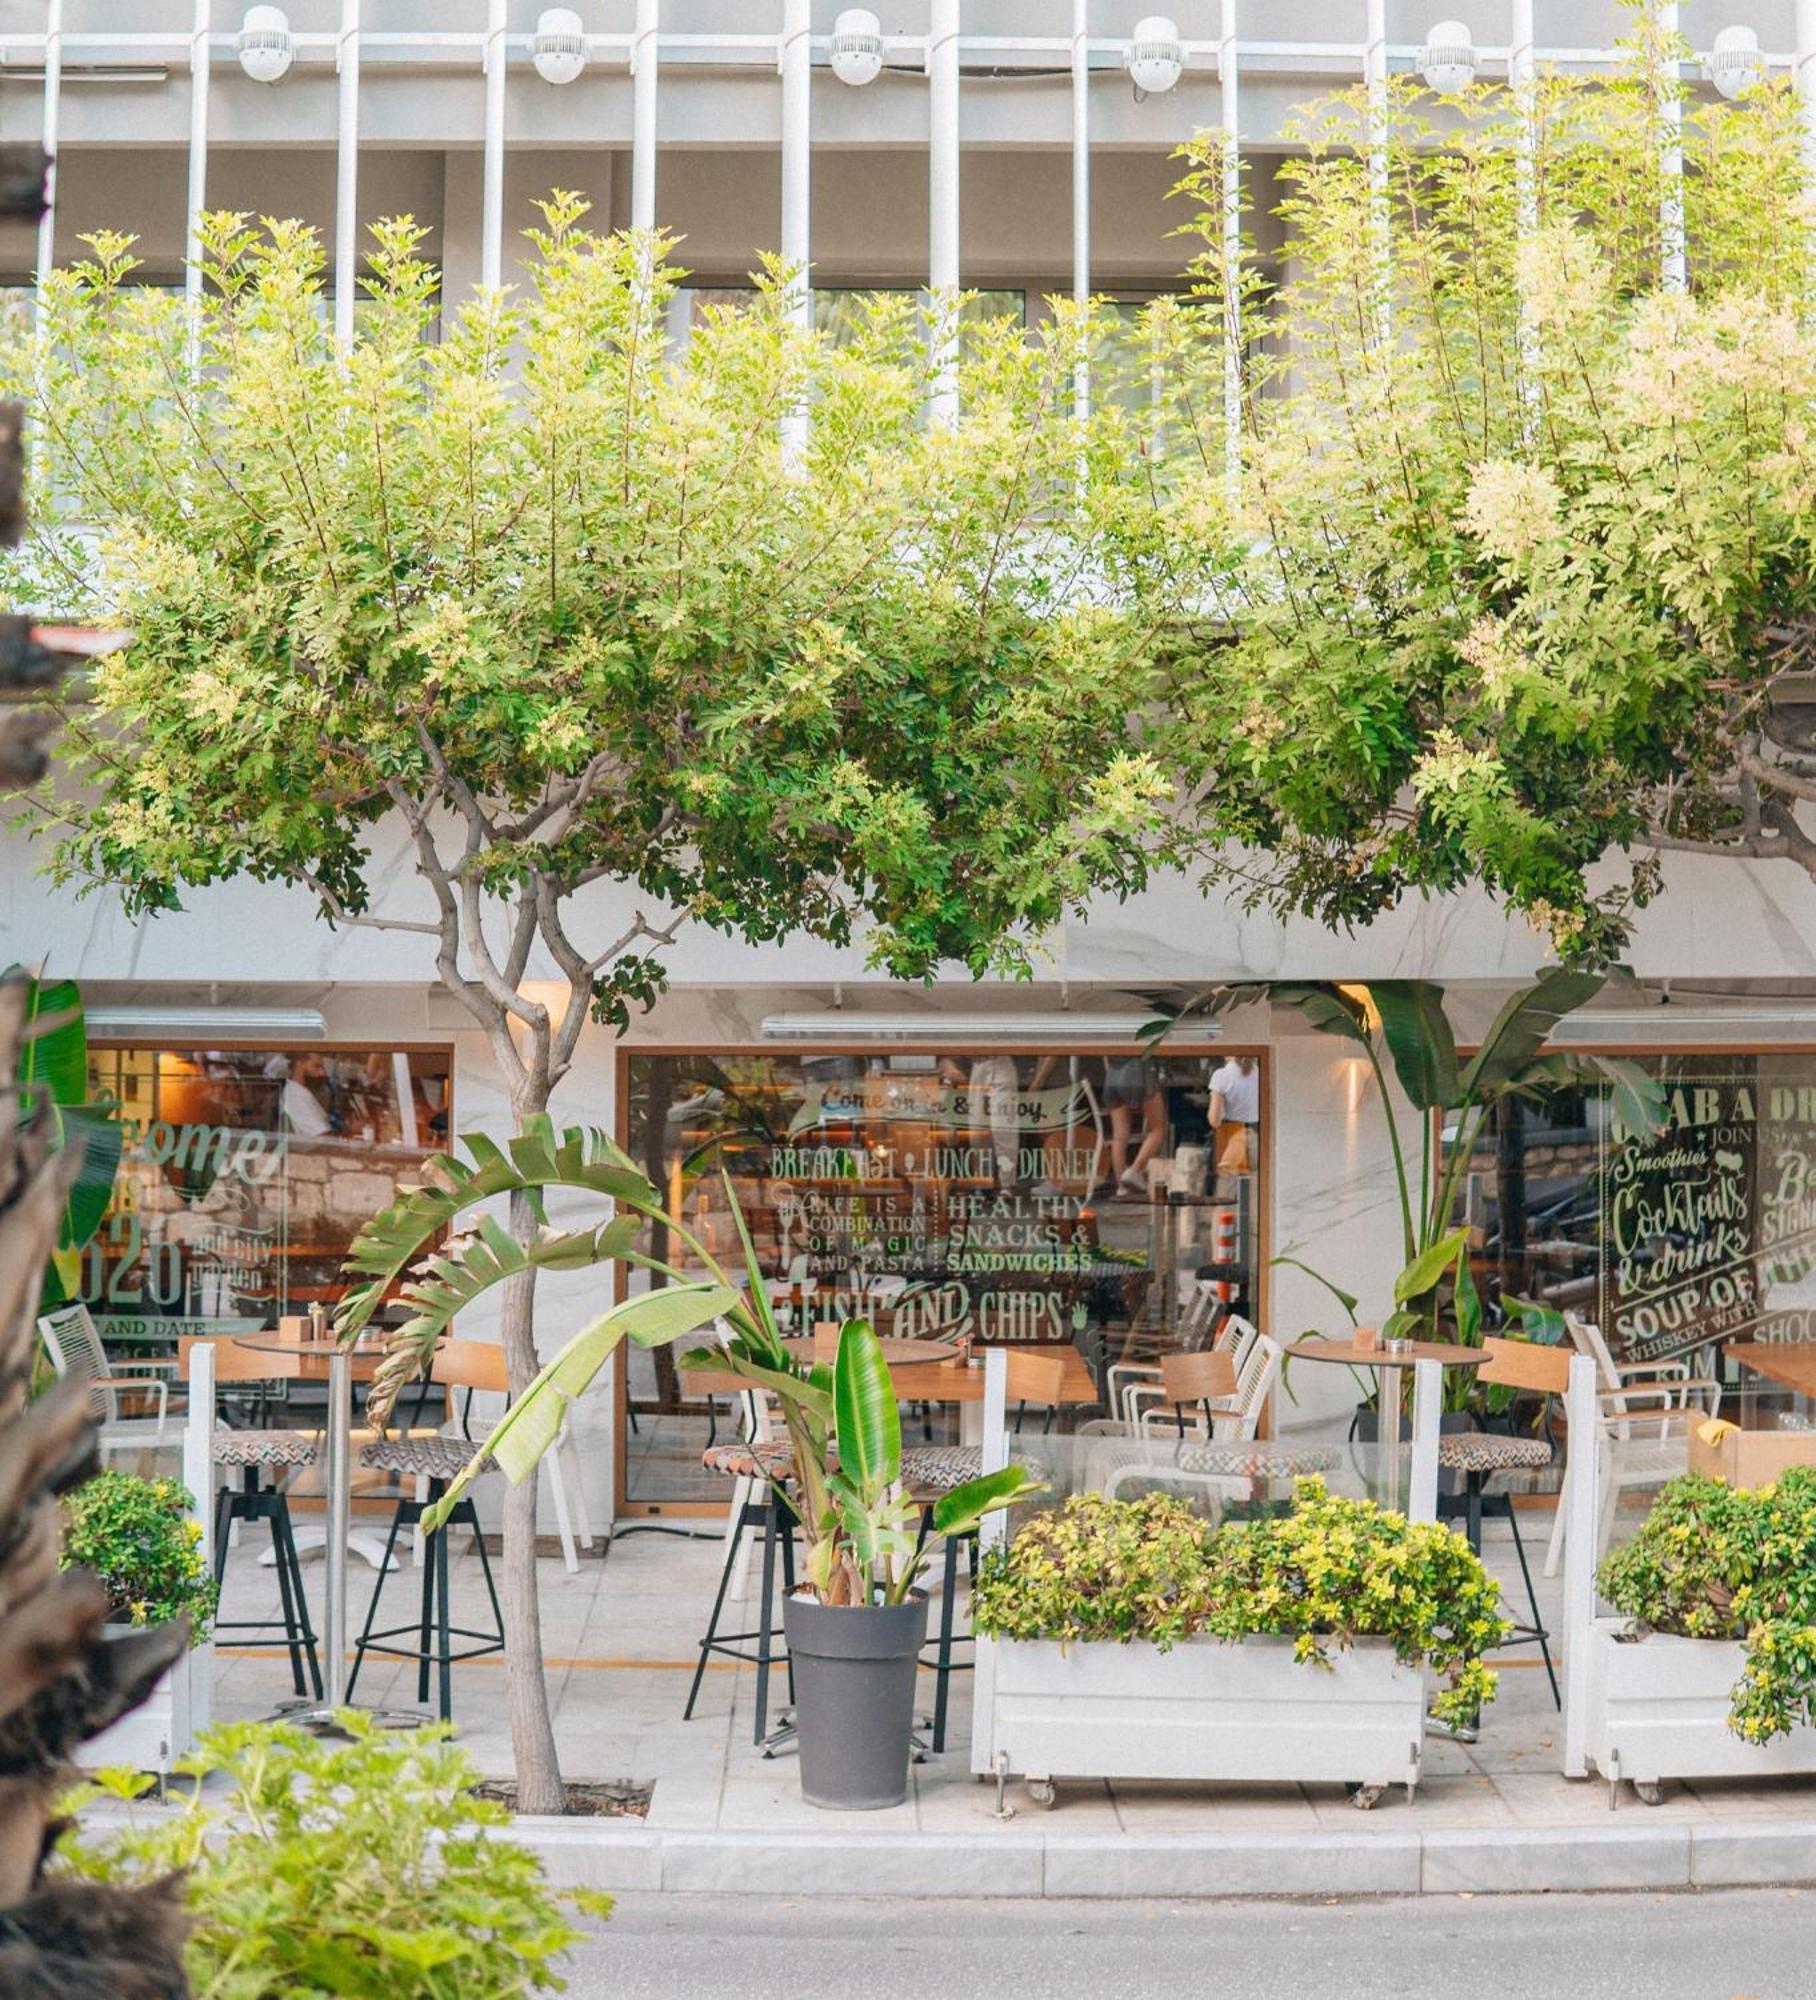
1443,1861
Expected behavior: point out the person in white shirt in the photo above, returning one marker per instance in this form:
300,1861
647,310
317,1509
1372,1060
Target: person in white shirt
1235,1110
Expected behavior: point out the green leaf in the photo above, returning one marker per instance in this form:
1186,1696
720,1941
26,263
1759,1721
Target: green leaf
528,1429
1520,1029
53,1058
865,1413
1429,1266
1469,1304
1541,1322
1347,1300
1325,1007
959,1511
1419,1039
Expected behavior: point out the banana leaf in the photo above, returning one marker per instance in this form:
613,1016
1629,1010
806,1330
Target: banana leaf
1419,1039
1429,1266
529,1428
964,1507
868,1421
1519,1030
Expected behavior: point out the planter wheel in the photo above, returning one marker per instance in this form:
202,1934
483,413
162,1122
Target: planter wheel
1044,1793
1650,1793
1365,1797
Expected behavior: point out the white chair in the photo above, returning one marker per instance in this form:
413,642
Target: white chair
1648,1410
75,1348
1197,1460
1155,1405
1195,1324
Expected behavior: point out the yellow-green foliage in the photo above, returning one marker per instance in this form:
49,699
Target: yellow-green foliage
1719,1562
1330,1572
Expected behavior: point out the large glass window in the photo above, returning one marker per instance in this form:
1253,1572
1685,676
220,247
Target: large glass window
245,1175
1056,1199
1703,1233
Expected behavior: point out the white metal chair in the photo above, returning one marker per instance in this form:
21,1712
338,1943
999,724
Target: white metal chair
1199,1460
75,1348
1197,1323
1152,1406
1647,1411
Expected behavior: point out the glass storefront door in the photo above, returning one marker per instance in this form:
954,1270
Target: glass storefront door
246,1173
1083,1199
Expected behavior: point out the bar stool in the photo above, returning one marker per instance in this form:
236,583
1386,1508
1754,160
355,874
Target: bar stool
930,1471
260,1458
764,1511
438,1460
1480,1455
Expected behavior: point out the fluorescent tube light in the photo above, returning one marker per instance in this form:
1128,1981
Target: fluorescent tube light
1678,1023
228,1024
956,1030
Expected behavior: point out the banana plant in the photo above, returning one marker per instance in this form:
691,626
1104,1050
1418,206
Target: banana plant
393,1255
53,1069
844,1427
1403,1023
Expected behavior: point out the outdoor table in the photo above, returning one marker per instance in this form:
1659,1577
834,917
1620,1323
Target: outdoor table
339,1364
1391,1364
1790,1363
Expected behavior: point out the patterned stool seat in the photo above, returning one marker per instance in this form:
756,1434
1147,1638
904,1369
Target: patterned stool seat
263,1448
428,1457
1254,1458
1490,1451
938,1468
771,1459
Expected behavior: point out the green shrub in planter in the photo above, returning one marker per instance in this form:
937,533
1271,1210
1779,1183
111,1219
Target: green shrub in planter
1329,1573
1715,1561
358,1869
140,1539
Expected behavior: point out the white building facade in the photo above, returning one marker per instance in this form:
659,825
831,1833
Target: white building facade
1010,1167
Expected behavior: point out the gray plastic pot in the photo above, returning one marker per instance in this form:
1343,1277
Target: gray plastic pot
854,1669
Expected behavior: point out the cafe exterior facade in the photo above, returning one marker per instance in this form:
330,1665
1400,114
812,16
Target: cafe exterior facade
1003,1164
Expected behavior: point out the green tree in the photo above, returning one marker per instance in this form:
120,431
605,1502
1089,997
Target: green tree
1519,579
530,643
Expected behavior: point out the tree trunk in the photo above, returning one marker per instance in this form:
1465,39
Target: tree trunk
539,1785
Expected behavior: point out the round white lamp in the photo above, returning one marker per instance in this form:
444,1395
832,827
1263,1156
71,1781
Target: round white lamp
856,49
1735,64
558,47
1447,62
1156,56
263,45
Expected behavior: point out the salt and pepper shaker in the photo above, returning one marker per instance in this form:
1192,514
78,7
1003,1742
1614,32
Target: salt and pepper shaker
318,1320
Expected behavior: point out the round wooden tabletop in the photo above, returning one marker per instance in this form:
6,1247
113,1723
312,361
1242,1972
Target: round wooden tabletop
897,1352
1447,1354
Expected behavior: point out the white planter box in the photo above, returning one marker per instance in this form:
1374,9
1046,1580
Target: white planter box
1203,1711
1658,1709
162,1728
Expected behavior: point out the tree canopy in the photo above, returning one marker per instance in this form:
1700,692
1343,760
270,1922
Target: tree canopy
1519,581
545,594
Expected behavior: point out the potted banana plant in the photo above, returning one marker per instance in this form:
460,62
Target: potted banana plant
857,1623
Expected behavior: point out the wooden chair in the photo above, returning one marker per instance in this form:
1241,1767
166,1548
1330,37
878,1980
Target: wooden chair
261,1458
1480,1455
433,1461
75,1347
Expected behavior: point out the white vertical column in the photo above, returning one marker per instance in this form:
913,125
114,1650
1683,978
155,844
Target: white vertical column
1673,269
53,106
1427,1409
942,215
1230,114
1520,81
644,72
1081,190
1804,75
196,190
796,65
491,228
1374,75
346,175
1582,1501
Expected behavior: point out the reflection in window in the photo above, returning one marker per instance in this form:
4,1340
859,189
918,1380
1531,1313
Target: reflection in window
246,1174
1108,1203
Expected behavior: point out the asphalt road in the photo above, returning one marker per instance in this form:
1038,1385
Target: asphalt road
1742,1944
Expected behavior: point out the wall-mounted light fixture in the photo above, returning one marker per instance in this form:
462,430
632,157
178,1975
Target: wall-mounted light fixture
558,47
264,44
856,49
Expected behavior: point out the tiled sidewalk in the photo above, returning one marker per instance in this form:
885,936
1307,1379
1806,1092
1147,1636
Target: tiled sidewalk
620,1639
